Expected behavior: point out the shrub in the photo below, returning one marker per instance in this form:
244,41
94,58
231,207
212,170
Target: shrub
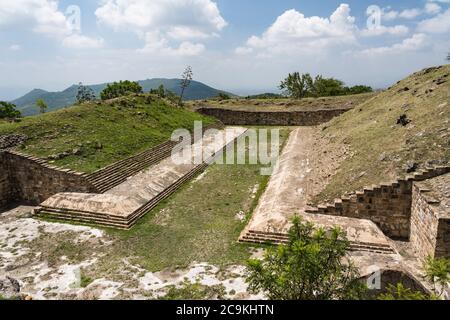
8,111
399,292
119,89
312,266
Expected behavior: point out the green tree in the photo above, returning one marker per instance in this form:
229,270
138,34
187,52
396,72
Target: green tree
448,57
186,79
41,105
296,85
360,89
312,266
119,89
9,111
84,94
399,292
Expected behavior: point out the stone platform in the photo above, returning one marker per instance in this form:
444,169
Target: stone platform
124,204
287,195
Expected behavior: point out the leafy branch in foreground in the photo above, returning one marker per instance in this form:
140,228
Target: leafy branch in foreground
438,272
312,266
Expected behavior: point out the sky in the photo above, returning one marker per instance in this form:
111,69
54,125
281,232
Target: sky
243,46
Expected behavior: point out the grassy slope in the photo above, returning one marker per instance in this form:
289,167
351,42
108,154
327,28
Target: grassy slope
123,127
380,147
285,104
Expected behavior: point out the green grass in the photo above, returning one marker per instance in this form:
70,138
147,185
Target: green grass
284,104
371,131
195,291
197,223
104,132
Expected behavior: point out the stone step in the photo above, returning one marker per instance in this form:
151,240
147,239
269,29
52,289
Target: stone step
277,238
126,169
130,164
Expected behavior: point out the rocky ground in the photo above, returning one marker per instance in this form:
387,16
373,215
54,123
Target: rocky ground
47,260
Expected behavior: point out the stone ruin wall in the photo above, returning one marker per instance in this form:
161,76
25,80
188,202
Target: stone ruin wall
430,233
273,118
388,205
31,180
5,182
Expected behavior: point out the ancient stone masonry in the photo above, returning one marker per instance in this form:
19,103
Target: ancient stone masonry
388,205
113,175
32,180
273,118
430,218
25,178
122,206
5,182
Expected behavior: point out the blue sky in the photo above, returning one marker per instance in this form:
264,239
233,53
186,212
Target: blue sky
244,46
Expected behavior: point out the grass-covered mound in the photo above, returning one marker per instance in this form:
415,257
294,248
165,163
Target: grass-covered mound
90,136
382,149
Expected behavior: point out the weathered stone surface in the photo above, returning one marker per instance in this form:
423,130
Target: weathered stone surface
430,218
9,288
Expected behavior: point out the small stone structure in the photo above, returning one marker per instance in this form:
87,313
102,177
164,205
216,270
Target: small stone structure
273,118
430,218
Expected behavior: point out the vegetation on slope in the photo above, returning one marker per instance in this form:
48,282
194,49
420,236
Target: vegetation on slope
90,136
57,100
401,129
285,104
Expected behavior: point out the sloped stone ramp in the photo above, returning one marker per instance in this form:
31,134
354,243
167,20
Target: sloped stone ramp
123,205
286,196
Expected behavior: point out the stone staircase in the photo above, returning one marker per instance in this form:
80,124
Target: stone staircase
336,207
113,175
116,221
271,238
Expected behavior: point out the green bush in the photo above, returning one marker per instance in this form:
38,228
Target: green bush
119,89
8,111
312,266
399,292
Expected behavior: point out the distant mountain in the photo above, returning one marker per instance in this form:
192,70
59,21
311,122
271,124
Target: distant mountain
58,100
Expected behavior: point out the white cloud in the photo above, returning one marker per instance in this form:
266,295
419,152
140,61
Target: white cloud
293,32
410,13
155,43
179,20
432,8
381,30
77,41
15,47
389,15
44,17
416,42
437,24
